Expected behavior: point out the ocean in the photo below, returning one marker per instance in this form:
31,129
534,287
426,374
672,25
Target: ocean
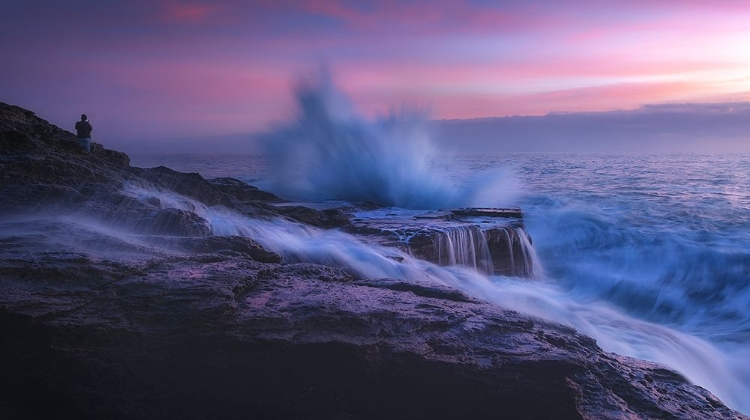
649,254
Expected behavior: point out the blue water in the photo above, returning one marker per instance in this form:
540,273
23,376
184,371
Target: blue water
665,237
648,254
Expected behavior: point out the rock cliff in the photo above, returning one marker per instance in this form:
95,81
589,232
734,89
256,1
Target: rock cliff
114,304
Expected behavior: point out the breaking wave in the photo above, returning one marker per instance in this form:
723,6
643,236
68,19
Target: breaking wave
328,152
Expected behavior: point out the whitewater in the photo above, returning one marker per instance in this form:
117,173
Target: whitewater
647,254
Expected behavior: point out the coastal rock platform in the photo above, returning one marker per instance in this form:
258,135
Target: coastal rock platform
119,304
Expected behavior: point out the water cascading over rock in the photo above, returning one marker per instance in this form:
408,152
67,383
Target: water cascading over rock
492,241
464,246
496,251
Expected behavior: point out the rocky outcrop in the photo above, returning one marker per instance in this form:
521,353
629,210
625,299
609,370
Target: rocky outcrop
43,164
243,192
325,218
115,305
190,185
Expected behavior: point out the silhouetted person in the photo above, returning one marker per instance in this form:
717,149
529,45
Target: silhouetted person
83,129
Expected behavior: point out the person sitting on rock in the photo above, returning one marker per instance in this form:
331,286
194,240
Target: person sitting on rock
83,129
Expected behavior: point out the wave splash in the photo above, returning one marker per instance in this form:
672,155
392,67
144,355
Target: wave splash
328,152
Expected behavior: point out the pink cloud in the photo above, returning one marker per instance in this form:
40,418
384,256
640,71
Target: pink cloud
418,17
188,12
504,78
371,91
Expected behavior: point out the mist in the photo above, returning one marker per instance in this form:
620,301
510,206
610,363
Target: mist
692,127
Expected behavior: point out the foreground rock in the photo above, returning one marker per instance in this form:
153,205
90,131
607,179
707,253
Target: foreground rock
217,334
117,302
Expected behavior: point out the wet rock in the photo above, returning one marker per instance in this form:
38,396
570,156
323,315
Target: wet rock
326,218
514,213
238,246
174,222
242,191
190,185
430,290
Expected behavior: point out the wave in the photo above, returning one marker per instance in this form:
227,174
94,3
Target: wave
691,280
328,152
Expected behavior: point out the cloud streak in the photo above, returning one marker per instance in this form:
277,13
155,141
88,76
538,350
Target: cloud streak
678,127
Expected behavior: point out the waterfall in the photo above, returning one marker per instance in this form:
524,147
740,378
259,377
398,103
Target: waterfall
510,252
498,250
465,246
532,264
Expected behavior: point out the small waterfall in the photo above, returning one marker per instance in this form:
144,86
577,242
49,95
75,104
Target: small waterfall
510,252
465,246
504,250
532,264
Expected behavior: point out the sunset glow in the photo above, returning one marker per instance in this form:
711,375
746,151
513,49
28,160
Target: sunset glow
178,68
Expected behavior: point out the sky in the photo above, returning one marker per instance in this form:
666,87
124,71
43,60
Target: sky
156,74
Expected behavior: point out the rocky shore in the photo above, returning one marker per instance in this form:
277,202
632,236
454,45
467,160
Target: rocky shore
122,305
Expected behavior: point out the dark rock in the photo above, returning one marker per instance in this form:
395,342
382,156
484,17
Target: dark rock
190,185
42,169
429,290
327,218
238,246
112,158
42,165
242,191
514,213
21,130
174,222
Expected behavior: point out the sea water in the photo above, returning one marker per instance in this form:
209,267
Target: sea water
648,254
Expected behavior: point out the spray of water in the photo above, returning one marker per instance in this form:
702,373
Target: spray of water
329,152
